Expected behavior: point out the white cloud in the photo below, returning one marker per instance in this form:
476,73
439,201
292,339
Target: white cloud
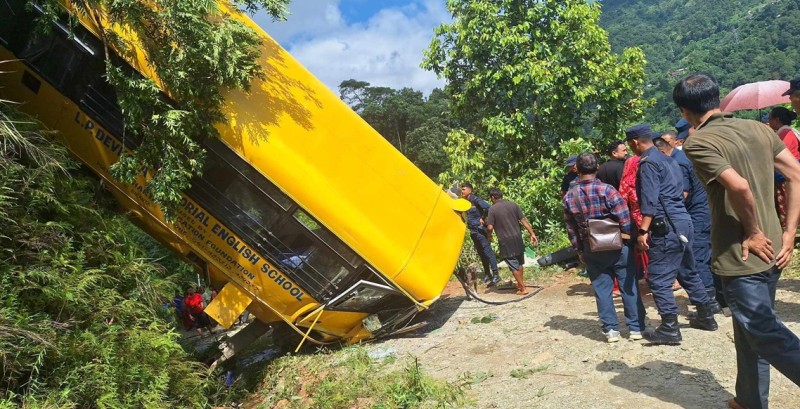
384,50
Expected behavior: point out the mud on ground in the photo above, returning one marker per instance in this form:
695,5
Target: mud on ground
548,352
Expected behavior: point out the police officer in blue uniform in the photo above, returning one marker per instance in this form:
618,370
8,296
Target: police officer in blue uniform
666,234
696,202
477,232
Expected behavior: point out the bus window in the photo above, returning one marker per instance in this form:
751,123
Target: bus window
306,255
225,155
11,13
252,207
327,237
231,185
367,296
54,58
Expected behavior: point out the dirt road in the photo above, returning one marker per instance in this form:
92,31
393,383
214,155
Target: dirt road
548,352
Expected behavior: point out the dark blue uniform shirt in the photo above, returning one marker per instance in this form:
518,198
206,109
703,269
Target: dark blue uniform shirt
479,209
660,176
696,201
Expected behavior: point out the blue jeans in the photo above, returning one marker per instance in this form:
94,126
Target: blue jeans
485,252
602,268
670,258
761,339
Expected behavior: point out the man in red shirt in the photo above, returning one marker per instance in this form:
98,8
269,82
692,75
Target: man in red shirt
194,305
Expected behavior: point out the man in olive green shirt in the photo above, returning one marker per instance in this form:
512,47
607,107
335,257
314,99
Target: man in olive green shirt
735,159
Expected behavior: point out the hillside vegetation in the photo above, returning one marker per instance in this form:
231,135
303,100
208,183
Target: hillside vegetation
738,41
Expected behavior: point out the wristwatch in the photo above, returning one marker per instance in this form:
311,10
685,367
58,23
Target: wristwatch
643,231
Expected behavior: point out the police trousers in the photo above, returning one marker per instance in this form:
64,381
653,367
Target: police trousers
671,258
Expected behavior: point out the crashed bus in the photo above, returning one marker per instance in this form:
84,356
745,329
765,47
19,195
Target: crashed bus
304,215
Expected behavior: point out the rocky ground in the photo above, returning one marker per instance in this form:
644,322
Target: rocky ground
548,352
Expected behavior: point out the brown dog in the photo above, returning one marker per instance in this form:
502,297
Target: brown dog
469,276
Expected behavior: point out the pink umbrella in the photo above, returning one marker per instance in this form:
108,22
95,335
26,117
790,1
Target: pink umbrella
756,95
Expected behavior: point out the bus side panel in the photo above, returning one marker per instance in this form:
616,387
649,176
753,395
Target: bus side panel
98,149
313,146
432,264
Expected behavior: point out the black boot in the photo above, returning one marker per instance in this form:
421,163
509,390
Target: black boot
705,318
713,305
668,333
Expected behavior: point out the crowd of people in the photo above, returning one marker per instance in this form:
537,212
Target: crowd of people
712,206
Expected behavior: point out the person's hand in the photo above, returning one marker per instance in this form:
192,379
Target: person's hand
534,240
787,250
759,245
641,242
580,258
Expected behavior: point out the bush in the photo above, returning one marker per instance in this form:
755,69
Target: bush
80,301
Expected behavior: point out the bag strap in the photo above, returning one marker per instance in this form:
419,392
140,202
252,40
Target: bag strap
580,204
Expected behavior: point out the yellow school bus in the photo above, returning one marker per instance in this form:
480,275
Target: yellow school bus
305,216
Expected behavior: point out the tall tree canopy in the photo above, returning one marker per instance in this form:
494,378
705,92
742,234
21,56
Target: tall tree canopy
196,51
526,74
415,125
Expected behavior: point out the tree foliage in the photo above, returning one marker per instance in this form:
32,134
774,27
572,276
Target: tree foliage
531,82
526,74
415,125
752,40
81,319
195,51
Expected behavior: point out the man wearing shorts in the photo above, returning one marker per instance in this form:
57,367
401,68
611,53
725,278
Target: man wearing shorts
504,220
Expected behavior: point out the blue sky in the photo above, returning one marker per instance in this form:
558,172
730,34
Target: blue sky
380,42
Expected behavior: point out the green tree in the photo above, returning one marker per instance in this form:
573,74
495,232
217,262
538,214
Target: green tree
524,75
415,125
196,51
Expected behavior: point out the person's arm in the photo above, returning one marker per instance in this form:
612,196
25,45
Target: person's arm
786,164
687,180
648,199
528,227
483,208
619,209
744,205
572,229
490,225
641,240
